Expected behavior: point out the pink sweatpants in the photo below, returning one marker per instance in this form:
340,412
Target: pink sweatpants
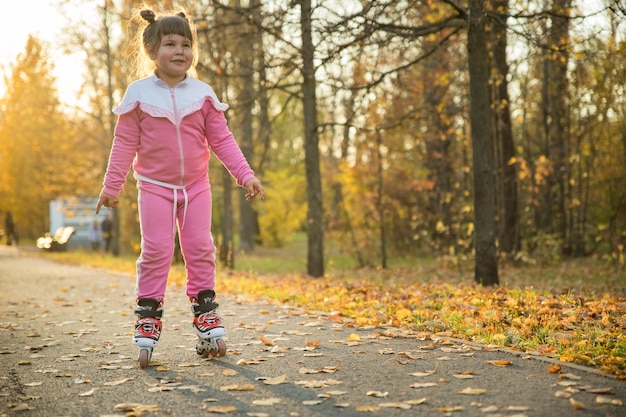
156,217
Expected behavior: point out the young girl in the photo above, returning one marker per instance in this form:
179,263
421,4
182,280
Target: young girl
167,123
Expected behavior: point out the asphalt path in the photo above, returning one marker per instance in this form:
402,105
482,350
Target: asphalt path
65,350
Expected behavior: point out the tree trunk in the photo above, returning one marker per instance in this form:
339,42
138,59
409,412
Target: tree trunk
508,215
315,227
380,202
556,116
246,101
486,263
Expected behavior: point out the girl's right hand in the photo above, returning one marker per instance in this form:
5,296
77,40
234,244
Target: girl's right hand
106,200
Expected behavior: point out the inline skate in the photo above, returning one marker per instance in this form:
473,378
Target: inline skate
208,325
147,328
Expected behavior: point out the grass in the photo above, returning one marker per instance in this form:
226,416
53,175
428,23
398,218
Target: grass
574,311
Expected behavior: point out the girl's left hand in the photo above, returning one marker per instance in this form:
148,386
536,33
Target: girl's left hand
254,188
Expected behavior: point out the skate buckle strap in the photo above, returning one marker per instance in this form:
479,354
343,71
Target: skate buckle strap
204,307
148,307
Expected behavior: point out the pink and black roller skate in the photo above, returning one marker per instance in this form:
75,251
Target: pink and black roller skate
147,328
208,325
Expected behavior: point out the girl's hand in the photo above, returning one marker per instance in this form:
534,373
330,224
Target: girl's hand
106,200
254,188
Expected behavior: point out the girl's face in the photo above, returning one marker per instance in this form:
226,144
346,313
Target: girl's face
173,58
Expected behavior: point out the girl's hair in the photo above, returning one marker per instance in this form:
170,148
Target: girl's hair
154,28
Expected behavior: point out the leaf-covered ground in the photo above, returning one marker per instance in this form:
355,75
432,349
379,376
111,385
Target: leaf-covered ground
575,312
572,323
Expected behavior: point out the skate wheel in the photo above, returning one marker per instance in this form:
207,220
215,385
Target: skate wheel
221,347
144,358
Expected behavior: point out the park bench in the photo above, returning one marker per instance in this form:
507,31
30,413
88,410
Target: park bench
58,241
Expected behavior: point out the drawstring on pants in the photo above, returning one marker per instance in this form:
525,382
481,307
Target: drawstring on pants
175,188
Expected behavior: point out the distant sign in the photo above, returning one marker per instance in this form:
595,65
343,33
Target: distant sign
78,212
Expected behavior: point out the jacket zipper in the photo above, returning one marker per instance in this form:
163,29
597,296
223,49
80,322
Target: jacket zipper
178,137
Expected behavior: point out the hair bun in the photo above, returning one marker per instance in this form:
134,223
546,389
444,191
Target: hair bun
181,14
148,15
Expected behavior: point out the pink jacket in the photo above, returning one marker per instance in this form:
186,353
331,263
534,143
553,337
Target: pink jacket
168,132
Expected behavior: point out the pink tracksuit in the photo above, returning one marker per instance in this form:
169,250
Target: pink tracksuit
166,134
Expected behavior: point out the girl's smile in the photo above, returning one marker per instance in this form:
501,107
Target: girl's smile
173,58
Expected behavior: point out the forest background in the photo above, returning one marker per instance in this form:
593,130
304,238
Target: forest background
484,130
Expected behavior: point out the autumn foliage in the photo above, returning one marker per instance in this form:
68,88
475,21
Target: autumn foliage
574,326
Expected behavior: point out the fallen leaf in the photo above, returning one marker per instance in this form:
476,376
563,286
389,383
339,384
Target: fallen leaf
601,399
416,402
313,343
421,374
311,402
221,409
20,407
193,388
500,363
472,391
136,407
577,405
354,338
236,387
82,380
367,408
423,385
318,383
568,376
377,394
554,369
87,393
489,409
402,405
606,391
276,381
562,394
118,381
266,341
450,409
309,371
517,408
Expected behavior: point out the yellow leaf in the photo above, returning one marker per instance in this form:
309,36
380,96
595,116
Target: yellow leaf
367,408
354,338
403,314
221,409
500,363
472,391
276,381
